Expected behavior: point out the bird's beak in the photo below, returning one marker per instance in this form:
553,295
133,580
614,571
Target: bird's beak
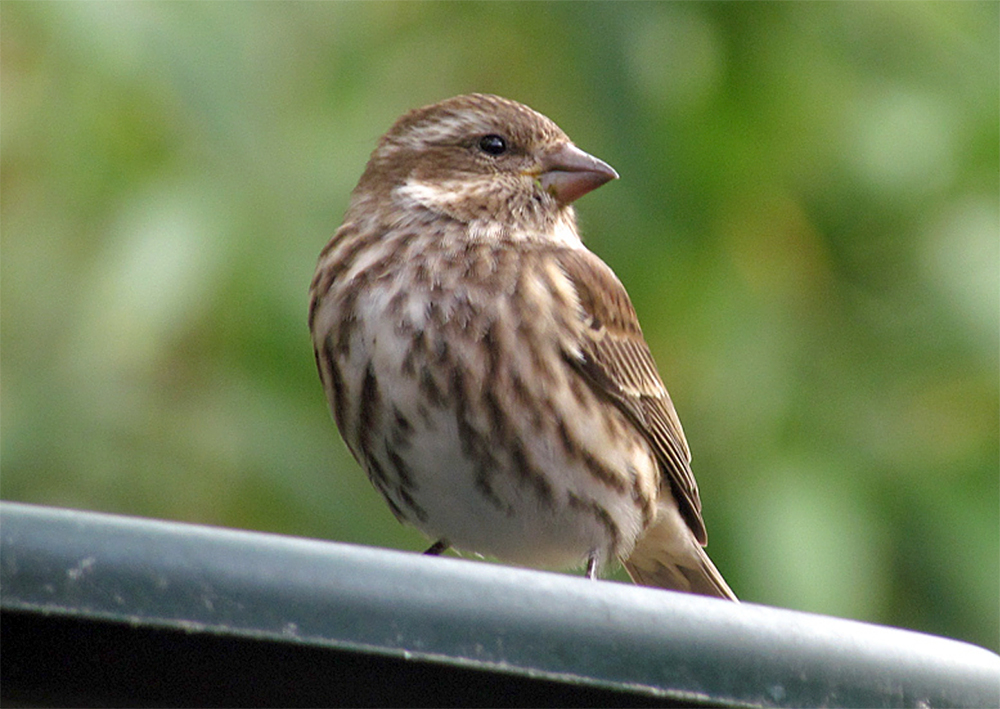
568,173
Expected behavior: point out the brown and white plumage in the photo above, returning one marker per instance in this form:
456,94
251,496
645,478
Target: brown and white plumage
486,369
616,361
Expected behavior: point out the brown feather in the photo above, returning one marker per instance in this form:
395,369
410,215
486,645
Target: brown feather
615,360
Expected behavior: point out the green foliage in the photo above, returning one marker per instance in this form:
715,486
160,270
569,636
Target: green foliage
807,221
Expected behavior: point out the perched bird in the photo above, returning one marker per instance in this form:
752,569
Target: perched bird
488,371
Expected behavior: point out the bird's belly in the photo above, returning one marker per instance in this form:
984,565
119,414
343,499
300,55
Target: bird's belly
491,507
509,489
487,438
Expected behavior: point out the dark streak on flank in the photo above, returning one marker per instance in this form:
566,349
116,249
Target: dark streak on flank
336,386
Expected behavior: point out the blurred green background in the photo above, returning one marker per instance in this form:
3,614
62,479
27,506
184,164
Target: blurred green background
807,221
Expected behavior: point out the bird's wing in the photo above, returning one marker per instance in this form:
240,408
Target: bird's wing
615,360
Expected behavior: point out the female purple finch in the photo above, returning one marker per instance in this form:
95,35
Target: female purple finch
488,371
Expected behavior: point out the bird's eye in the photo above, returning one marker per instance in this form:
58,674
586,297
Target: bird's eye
493,144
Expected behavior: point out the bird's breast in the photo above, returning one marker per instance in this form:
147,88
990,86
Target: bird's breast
466,402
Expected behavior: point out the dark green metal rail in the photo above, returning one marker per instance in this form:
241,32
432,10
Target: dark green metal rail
102,609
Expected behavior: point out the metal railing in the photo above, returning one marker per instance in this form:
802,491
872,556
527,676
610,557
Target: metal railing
104,609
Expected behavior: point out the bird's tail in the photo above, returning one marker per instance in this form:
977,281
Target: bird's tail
669,556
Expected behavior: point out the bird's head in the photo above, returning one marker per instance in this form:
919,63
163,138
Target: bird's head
480,157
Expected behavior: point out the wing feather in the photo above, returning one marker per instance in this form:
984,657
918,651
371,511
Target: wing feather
615,360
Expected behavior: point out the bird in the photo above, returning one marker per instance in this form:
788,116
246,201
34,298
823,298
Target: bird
487,370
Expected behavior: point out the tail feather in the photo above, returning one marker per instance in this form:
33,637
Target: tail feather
678,575
668,556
